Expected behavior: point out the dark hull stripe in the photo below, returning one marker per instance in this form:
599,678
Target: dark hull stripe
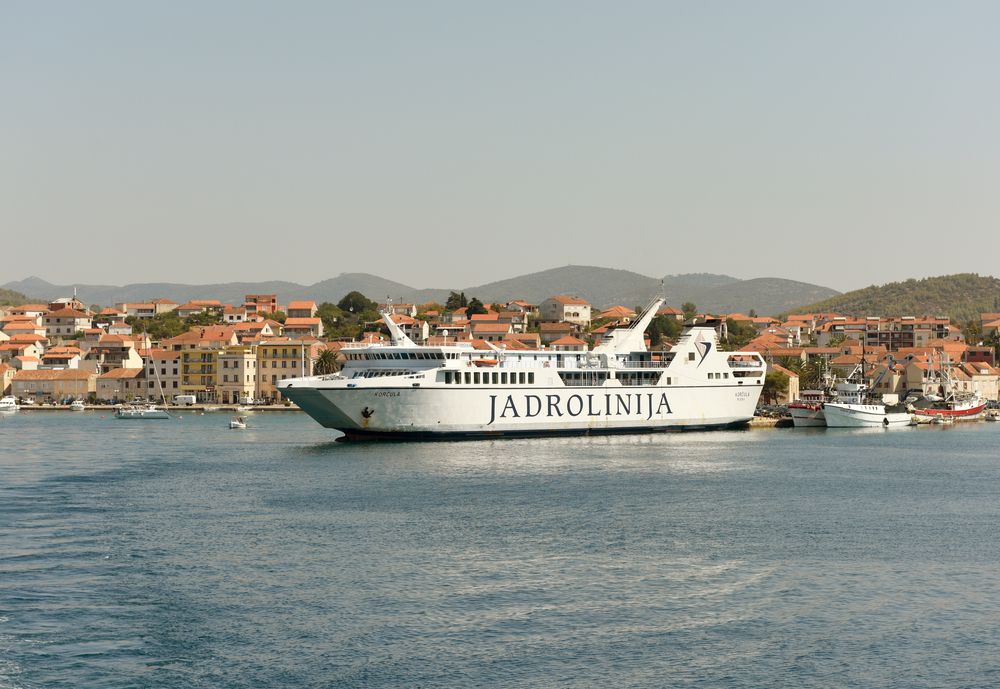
408,436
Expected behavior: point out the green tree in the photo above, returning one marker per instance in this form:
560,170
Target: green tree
275,316
430,306
810,376
775,386
357,303
973,330
739,334
203,318
689,309
160,327
475,306
753,313
329,314
663,328
326,363
456,300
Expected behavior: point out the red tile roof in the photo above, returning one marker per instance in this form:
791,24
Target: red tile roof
563,299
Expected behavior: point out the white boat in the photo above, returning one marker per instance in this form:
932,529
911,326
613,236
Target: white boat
77,405
993,416
239,422
8,405
211,409
807,411
402,390
853,409
140,411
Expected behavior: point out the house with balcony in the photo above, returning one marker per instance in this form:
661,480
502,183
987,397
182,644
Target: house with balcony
300,327
111,352
64,323
302,309
562,308
209,336
237,374
199,373
61,357
280,358
259,304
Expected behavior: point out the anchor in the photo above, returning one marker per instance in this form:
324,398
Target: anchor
367,413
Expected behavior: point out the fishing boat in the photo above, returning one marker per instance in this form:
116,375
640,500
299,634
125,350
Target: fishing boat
480,389
807,410
77,405
8,405
856,407
140,411
238,422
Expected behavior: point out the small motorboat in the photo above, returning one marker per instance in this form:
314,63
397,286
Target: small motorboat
993,416
243,410
238,422
77,405
211,409
8,405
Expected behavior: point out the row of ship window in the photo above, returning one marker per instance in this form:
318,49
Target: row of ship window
397,356
717,376
489,378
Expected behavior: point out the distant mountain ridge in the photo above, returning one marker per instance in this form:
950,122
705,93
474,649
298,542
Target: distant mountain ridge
600,286
960,297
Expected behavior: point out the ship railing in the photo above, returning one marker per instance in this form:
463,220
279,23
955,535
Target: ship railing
745,364
645,364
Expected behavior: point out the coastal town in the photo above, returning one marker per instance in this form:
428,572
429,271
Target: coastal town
209,352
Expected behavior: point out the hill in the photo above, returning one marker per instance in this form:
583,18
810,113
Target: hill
767,296
960,297
601,286
9,296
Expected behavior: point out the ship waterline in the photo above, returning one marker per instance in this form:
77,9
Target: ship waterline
469,390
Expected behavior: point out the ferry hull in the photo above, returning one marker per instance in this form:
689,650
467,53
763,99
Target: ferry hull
863,416
440,412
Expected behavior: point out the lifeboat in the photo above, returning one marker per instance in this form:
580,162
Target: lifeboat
485,362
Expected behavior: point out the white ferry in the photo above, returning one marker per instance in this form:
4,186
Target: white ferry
402,390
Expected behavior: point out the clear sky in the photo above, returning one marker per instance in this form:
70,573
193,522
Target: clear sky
453,143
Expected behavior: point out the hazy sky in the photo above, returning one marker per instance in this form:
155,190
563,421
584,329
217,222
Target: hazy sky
453,143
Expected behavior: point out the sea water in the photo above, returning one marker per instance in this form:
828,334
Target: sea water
183,554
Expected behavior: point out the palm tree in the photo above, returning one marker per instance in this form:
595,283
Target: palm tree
326,363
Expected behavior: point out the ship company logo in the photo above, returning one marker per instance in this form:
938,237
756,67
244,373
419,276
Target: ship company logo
645,405
703,346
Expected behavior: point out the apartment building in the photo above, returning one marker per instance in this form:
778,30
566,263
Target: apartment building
280,358
237,374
